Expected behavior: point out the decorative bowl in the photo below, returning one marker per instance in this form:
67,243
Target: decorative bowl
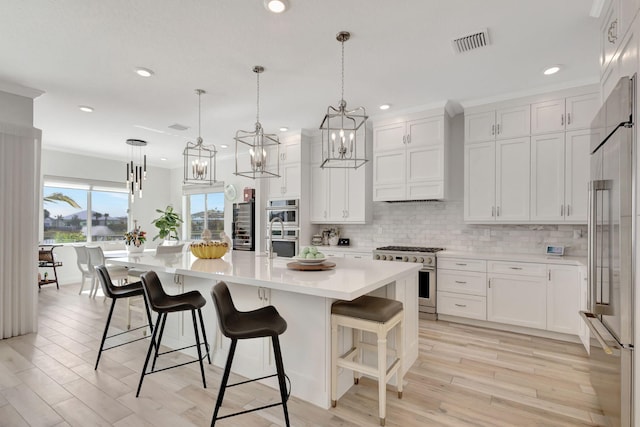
309,261
209,250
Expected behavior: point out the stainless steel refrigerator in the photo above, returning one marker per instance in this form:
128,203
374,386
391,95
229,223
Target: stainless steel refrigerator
612,212
244,225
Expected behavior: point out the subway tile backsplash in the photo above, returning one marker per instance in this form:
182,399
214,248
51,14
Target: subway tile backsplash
440,224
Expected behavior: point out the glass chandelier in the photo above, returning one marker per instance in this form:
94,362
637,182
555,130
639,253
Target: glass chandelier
136,172
344,138
257,153
199,159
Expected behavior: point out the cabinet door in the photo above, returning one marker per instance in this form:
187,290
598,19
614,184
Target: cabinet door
547,177
389,175
479,127
563,299
389,137
356,204
292,181
276,186
479,181
577,147
319,180
512,180
517,300
548,116
337,195
425,132
580,111
513,122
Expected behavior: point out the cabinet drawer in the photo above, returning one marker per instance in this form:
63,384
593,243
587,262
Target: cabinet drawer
518,268
471,306
462,264
471,283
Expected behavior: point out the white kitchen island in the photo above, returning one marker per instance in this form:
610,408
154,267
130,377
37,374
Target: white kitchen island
304,300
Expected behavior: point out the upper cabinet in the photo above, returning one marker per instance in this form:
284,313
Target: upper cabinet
409,157
289,159
562,114
504,123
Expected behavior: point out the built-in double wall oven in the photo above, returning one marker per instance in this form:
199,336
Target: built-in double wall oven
284,244
286,210
285,235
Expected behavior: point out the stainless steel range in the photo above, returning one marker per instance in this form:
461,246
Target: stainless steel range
427,275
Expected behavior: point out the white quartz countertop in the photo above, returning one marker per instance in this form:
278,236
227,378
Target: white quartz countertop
538,258
350,278
344,249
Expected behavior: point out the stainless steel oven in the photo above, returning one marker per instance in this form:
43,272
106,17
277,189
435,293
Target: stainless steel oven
284,244
286,210
426,276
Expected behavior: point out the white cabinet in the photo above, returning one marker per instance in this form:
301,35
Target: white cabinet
583,329
515,298
562,114
563,299
339,196
289,183
462,286
503,123
559,176
496,181
409,158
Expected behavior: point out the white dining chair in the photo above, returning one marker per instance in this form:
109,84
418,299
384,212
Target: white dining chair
96,258
82,260
169,249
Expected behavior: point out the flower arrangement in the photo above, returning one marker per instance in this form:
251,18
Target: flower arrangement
135,237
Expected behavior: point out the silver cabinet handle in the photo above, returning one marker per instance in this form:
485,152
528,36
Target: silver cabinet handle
498,211
516,268
568,118
568,210
561,119
493,130
404,139
460,305
612,32
460,263
461,282
561,210
489,281
549,275
493,211
498,129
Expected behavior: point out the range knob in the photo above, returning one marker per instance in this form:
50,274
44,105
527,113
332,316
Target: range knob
413,259
420,260
377,256
389,257
405,258
429,260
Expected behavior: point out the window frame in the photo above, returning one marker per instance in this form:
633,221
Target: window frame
193,190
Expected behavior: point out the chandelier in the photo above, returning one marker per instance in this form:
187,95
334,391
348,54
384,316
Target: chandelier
257,153
341,146
136,172
199,159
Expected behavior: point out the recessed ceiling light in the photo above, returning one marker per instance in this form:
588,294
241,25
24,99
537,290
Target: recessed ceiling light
144,72
284,129
86,108
164,159
223,146
276,6
385,106
551,70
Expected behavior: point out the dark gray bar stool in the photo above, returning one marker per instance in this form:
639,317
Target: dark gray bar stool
116,293
371,314
239,325
164,304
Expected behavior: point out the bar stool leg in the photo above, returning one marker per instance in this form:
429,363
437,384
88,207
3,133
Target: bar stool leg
334,362
382,373
204,336
281,378
400,356
225,380
106,329
195,330
151,346
357,340
161,322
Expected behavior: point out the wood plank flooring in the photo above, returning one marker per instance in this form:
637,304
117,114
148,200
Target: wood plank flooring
465,376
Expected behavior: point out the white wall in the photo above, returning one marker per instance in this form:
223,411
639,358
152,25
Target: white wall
16,109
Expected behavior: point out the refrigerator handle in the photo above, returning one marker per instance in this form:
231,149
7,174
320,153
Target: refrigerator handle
595,287
589,318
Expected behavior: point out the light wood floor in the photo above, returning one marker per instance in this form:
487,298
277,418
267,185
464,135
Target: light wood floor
465,376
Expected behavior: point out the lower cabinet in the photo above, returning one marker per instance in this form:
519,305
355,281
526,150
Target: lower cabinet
517,300
563,299
462,288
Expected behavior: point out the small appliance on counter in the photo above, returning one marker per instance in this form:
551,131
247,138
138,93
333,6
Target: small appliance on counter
316,240
343,242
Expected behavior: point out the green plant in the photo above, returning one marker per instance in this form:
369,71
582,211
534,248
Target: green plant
167,223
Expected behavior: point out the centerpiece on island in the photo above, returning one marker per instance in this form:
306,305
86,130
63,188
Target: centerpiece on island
134,240
209,249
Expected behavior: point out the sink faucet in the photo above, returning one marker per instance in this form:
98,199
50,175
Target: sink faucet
272,254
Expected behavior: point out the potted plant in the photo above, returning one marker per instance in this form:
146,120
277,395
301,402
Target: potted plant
168,223
135,239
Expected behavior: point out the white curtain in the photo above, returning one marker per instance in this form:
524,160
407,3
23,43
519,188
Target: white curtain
20,204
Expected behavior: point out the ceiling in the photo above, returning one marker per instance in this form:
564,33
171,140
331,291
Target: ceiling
400,52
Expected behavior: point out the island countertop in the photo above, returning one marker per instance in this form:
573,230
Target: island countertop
350,278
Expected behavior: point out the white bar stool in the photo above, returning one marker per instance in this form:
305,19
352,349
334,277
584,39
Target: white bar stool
371,314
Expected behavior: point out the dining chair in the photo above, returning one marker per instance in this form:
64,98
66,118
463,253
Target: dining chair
82,260
96,258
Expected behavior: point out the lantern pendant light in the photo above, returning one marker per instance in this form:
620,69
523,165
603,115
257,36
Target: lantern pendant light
199,159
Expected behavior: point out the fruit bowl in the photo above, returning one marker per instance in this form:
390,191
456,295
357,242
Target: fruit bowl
309,261
209,250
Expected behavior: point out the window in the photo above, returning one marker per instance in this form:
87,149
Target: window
206,210
84,212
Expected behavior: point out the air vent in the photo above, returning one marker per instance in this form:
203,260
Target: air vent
178,126
471,41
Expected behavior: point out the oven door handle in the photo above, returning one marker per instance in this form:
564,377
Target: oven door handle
288,208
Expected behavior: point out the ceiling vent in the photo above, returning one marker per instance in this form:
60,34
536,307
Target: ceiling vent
471,41
178,126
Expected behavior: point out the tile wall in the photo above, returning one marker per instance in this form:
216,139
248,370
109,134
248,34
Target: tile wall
440,224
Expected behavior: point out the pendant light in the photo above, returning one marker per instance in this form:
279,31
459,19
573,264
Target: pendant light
257,153
199,159
136,172
344,136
